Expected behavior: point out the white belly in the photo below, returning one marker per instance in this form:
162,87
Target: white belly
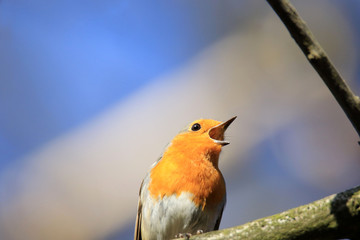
163,219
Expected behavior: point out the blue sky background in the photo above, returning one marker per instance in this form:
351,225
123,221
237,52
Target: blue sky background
64,63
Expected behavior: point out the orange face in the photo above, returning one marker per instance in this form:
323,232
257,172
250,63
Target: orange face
206,128
202,137
196,138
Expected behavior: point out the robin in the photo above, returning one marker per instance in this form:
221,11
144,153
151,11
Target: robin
184,192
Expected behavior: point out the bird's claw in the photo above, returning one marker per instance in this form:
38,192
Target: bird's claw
183,235
199,232
188,235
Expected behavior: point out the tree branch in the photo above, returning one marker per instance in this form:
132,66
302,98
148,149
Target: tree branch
333,217
316,55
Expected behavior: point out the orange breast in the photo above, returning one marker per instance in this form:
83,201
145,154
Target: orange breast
185,168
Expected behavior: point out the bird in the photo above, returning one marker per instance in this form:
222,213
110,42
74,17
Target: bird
184,192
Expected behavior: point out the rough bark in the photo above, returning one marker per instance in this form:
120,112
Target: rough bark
333,217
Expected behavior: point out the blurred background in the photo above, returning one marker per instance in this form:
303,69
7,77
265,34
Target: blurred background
92,91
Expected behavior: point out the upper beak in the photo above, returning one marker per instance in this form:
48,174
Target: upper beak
217,133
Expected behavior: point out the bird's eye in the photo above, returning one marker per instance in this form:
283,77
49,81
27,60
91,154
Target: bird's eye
195,127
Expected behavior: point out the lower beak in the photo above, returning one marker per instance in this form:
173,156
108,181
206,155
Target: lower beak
217,133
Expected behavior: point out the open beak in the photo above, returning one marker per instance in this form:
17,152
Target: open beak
217,133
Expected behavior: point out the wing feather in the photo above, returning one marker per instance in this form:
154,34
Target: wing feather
137,234
217,224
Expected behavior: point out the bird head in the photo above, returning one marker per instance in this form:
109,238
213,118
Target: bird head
208,129
202,137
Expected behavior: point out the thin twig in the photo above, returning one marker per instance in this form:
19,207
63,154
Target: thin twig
349,102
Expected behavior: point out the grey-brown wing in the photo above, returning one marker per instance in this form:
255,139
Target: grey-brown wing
137,234
218,220
144,183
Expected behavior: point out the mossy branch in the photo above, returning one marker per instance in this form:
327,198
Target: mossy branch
336,216
315,54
